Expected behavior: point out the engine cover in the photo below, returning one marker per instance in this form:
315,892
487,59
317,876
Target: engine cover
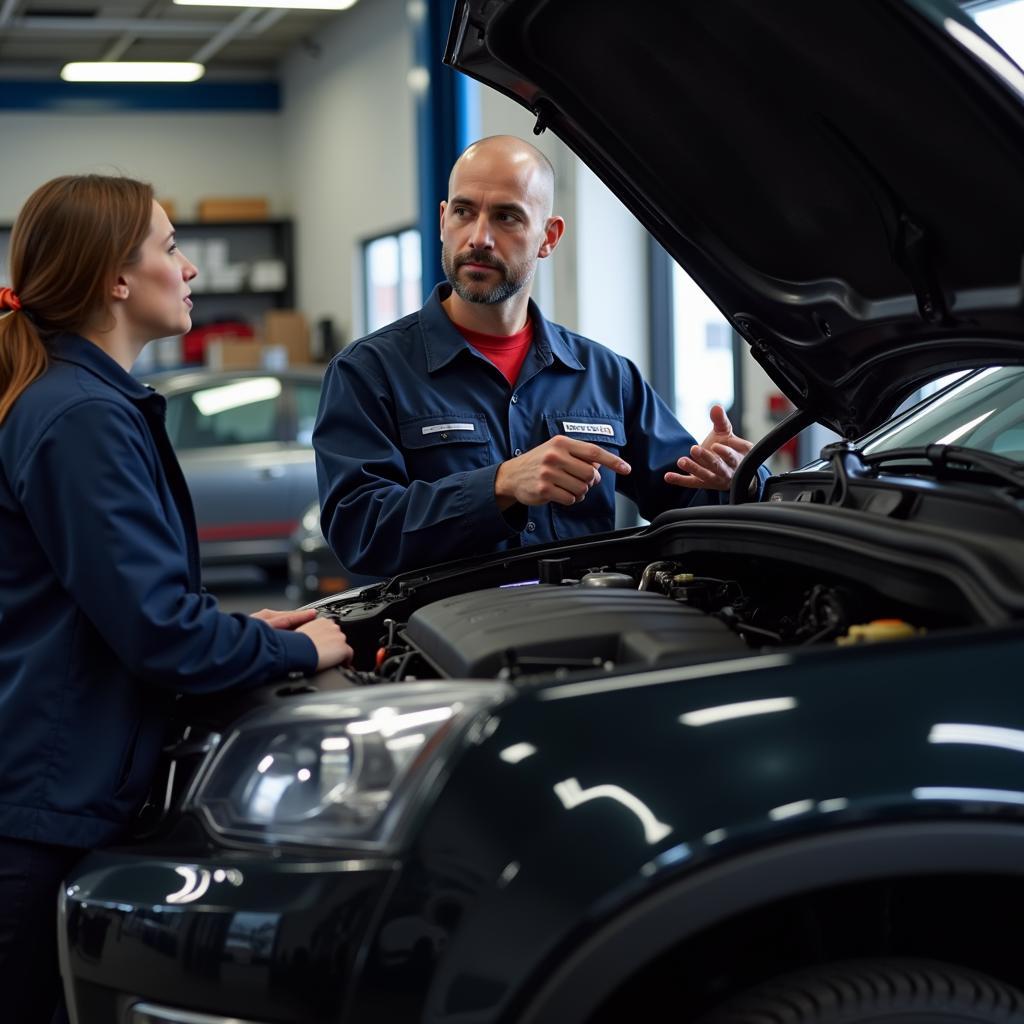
544,628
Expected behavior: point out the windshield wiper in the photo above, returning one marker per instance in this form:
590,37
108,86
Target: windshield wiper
850,463
952,456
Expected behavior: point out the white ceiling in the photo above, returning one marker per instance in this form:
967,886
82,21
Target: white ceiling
37,37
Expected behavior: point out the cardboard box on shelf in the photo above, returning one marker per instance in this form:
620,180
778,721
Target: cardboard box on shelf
229,353
234,208
288,327
268,275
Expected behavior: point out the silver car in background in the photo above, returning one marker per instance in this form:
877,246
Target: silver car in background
244,441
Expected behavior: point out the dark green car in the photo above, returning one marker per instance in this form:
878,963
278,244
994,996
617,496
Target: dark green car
759,763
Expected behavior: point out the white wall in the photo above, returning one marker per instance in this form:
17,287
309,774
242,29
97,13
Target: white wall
339,158
186,156
349,141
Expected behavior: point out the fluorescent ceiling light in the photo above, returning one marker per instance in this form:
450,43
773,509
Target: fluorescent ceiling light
311,5
132,71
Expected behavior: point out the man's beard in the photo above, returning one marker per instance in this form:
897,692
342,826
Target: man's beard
473,287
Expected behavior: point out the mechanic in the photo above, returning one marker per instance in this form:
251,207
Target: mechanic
475,424
102,616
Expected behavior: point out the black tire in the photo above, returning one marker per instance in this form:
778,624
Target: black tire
896,991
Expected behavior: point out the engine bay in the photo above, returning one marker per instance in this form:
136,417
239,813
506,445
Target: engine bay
610,620
711,597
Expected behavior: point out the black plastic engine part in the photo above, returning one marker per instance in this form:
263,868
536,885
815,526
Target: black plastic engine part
541,628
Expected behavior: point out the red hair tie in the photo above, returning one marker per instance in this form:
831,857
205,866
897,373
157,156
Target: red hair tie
8,300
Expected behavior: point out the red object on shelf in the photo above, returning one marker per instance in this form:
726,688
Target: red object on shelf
193,344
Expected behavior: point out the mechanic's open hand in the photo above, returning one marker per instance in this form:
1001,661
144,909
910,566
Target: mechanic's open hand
712,462
560,470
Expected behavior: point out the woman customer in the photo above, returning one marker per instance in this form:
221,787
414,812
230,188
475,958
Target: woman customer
102,616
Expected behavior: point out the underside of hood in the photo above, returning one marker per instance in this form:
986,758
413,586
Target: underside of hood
844,178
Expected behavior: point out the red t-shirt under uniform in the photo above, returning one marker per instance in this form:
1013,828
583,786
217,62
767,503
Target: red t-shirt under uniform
507,352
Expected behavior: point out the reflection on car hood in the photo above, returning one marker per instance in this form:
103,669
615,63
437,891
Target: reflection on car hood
844,179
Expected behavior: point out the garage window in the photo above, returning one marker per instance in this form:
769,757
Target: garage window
392,275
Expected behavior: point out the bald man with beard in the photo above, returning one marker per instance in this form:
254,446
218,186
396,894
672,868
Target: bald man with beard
476,425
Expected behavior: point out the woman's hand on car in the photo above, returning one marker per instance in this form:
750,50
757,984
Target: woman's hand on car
331,645
285,620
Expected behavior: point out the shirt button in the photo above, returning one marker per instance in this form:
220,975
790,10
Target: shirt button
530,527
518,451
515,398
444,437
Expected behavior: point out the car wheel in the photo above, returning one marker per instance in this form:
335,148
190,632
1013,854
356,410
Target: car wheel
876,992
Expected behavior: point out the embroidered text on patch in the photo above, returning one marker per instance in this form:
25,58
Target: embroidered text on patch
437,428
605,429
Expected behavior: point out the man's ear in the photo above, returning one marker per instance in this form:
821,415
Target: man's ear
444,206
554,228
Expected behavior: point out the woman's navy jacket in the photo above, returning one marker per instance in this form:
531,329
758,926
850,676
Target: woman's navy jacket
102,615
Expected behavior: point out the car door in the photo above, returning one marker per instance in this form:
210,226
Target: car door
229,438
303,403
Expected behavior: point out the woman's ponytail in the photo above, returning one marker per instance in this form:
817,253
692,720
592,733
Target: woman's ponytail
23,356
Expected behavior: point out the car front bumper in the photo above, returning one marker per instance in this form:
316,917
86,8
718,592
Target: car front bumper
246,939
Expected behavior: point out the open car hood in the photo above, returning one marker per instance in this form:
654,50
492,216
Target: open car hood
844,178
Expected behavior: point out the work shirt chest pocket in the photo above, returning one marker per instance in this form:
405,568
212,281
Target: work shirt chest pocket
596,512
451,442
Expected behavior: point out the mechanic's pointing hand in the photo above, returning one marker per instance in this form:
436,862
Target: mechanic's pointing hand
560,470
712,462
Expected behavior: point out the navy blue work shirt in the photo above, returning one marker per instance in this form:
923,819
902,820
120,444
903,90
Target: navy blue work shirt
102,615
414,422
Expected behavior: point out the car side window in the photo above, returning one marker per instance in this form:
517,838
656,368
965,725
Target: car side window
307,401
244,411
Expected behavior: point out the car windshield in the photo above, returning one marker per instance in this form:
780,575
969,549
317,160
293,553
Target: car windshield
983,410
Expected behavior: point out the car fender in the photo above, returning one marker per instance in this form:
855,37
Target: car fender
586,801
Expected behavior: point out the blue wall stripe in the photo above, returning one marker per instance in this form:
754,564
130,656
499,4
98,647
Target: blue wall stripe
107,98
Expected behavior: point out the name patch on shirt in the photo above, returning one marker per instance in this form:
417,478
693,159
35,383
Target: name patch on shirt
439,428
604,429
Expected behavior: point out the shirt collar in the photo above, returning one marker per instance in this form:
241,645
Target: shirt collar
73,348
442,341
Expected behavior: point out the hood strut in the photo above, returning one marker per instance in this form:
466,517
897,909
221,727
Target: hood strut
767,446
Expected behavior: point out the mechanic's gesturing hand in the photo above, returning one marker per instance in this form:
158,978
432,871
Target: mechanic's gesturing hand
711,463
560,470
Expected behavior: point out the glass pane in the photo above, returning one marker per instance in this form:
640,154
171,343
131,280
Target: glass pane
307,401
1004,22
176,410
984,411
411,271
703,354
382,282
243,412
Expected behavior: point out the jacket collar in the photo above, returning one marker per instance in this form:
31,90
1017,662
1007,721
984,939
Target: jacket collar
73,348
442,341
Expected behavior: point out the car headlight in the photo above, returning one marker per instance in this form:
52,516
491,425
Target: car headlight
339,768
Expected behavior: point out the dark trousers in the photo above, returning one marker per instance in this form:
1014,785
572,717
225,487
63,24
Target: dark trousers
30,875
